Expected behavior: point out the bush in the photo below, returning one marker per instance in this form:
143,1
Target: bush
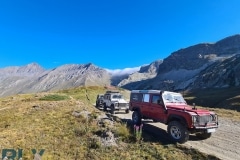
123,132
54,97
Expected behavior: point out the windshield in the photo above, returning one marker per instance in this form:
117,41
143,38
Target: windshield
117,96
171,97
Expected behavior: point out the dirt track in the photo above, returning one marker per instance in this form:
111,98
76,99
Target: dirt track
224,143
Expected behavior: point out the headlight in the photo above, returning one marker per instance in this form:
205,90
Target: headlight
195,119
213,117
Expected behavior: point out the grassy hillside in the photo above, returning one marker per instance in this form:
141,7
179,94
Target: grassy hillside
227,98
67,126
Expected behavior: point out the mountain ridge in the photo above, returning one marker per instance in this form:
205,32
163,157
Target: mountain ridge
183,69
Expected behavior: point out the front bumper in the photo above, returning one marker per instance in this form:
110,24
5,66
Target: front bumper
121,106
206,122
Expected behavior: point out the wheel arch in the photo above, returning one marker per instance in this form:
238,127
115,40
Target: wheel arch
136,108
178,118
112,105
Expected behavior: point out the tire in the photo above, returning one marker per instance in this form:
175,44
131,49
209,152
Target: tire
178,132
203,135
136,118
127,111
112,109
104,107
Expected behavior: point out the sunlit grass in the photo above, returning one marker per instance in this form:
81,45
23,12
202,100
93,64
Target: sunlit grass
54,97
46,121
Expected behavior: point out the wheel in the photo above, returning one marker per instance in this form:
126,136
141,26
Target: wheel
112,109
97,105
203,135
104,107
127,111
136,118
178,132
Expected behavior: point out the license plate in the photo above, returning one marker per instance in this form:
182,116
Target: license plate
211,130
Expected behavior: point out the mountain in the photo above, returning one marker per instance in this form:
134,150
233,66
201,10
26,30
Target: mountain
145,72
32,78
205,65
25,71
185,68
221,74
196,56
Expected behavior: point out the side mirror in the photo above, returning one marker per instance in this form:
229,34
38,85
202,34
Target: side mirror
194,106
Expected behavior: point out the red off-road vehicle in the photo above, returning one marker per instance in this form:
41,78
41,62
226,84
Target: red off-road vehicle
171,109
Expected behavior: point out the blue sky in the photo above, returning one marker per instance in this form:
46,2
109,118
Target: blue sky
113,34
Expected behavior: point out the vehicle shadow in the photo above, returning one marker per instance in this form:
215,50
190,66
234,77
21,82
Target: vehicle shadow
162,135
150,133
108,110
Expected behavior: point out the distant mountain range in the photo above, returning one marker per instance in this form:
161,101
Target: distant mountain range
203,65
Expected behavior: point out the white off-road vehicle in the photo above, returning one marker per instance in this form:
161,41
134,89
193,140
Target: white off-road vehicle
114,101
99,100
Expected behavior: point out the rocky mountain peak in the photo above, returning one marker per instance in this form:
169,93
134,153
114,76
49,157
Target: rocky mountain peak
224,73
203,65
27,70
229,45
31,68
194,57
189,58
91,66
145,72
152,68
230,41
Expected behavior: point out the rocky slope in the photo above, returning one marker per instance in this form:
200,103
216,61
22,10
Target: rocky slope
224,73
185,68
145,72
33,78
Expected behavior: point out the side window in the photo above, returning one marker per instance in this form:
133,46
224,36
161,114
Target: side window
136,97
146,97
107,97
155,99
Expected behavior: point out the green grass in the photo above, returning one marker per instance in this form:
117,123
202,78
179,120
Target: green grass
54,97
226,98
88,94
46,121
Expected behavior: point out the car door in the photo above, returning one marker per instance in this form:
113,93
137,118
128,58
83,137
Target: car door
156,109
145,104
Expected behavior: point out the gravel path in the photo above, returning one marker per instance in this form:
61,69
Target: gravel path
224,143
